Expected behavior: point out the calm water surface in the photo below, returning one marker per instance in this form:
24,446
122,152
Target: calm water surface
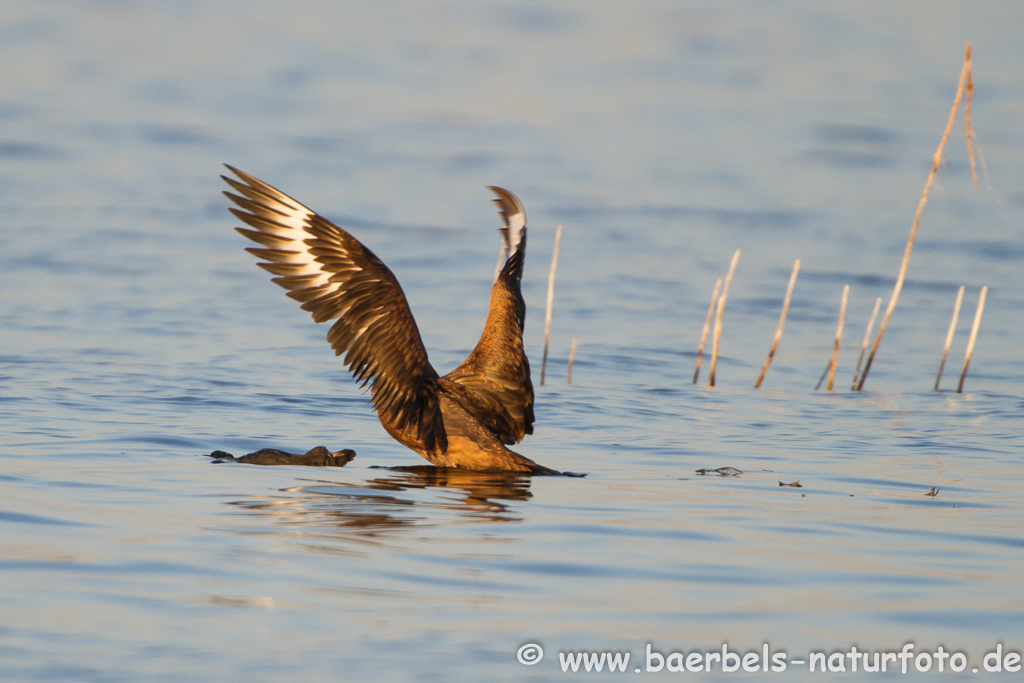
136,335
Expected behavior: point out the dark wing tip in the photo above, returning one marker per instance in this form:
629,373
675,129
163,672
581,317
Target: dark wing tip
251,181
508,204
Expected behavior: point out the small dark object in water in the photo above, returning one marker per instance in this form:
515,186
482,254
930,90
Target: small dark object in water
721,471
934,492
794,484
314,457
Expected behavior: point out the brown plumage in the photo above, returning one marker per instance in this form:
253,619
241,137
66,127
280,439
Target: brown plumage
463,419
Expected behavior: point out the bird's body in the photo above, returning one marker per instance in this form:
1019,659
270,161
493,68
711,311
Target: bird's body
464,419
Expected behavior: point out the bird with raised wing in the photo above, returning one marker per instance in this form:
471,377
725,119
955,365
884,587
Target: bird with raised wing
464,419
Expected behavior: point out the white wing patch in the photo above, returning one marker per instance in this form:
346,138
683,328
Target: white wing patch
282,229
516,230
514,216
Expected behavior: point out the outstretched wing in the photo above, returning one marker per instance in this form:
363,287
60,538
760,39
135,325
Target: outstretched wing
335,277
494,384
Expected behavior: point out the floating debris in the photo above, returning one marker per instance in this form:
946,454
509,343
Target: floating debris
721,471
314,457
934,492
793,484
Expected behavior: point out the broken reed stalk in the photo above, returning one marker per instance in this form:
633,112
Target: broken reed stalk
551,301
839,336
949,334
967,117
974,337
824,374
964,76
867,338
782,322
707,325
718,318
830,369
572,359
988,182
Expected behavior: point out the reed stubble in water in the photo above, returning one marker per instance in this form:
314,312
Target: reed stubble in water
707,326
864,344
974,337
831,369
839,336
949,334
718,318
782,323
572,359
551,301
965,79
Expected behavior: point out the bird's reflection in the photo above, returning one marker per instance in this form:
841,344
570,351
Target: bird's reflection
400,497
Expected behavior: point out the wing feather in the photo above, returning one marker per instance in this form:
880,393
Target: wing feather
513,215
335,277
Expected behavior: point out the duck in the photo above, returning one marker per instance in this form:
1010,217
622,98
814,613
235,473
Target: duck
465,419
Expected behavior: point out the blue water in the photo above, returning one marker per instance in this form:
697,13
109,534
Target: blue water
136,336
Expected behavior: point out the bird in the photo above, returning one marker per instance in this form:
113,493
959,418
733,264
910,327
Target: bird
465,419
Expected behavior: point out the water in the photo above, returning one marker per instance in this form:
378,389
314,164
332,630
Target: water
136,335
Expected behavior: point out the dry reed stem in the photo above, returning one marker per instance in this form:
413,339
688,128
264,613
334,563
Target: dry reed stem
707,326
974,337
718,318
824,374
839,336
949,334
551,301
967,116
867,338
964,73
782,322
984,170
572,359
830,370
